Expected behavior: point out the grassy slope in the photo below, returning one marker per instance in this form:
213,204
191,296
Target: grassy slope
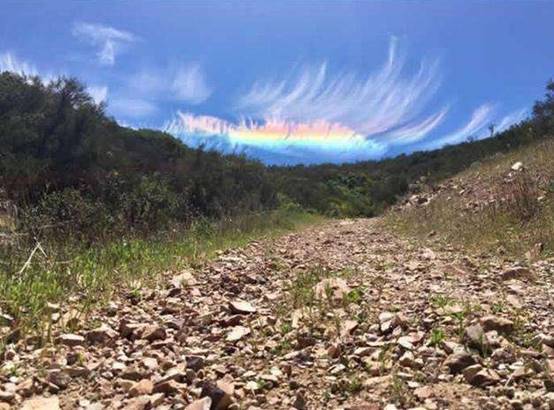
490,208
87,276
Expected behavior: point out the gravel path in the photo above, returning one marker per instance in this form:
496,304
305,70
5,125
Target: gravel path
338,316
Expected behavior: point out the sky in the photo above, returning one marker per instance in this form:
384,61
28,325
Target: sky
291,82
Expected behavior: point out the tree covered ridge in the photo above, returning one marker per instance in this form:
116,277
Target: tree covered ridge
63,161
366,188
66,164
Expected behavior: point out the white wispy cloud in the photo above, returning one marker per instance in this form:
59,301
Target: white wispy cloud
481,118
132,107
9,62
185,82
375,104
149,82
189,84
416,132
511,119
109,40
98,93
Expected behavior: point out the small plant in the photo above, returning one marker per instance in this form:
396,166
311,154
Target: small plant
302,290
498,307
354,296
400,392
440,301
437,337
460,318
354,385
286,327
262,384
282,348
135,294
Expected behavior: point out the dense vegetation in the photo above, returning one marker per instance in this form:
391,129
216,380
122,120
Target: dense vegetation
66,165
366,188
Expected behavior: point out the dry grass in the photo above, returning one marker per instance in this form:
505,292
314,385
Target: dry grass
88,276
491,208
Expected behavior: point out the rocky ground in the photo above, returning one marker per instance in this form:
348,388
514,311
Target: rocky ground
339,316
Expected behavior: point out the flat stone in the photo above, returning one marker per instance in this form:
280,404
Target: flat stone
153,332
7,396
102,334
347,327
408,360
71,340
41,403
186,278
423,392
516,272
169,387
138,403
220,394
478,376
474,336
143,387
241,307
237,333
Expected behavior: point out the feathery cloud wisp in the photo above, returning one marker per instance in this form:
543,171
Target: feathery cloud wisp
480,118
190,84
381,102
9,62
511,119
132,107
98,93
109,40
414,133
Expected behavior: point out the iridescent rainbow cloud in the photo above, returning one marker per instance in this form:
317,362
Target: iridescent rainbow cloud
320,138
324,116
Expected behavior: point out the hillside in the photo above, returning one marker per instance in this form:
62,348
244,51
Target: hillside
503,205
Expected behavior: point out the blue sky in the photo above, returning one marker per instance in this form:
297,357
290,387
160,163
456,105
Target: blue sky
289,82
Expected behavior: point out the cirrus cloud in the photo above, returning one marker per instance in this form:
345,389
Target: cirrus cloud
190,84
186,82
378,103
109,40
98,93
9,62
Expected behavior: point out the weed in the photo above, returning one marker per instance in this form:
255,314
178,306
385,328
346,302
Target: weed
282,348
498,307
354,385
440,301
286,327
437,337
354,296
460,318
400,392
